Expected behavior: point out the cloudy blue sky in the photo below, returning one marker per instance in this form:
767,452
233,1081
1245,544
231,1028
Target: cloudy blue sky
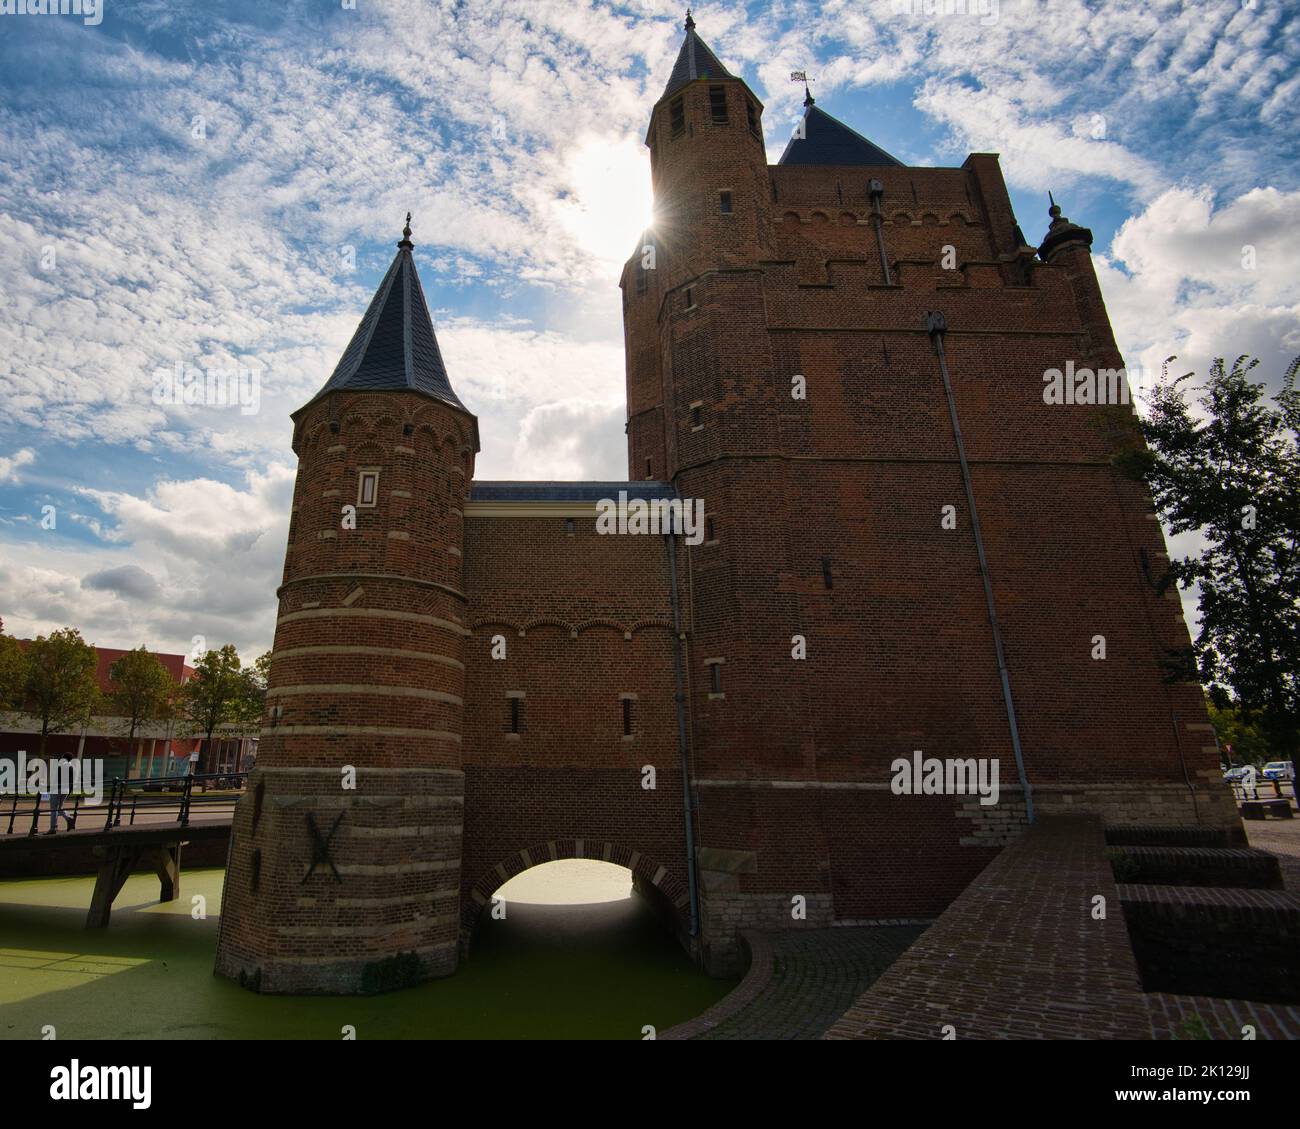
221,184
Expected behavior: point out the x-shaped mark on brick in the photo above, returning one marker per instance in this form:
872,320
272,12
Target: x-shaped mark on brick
320,847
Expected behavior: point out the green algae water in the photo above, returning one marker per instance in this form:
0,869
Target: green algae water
575,958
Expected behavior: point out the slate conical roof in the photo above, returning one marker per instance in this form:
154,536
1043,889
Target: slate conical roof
694,60
828,141
394,347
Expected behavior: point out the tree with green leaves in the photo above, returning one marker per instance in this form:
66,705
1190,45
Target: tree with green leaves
1227,467
140,690
1240,739
256,678
61,690
13,673
218,694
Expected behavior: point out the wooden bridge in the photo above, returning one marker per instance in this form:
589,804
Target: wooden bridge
145,823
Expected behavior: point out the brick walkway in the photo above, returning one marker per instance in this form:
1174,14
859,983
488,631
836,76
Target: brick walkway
1019,955
1282,838
800,981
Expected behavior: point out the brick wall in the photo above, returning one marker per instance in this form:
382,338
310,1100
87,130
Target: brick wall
827,516
585,621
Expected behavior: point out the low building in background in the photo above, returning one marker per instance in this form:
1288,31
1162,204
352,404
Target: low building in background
161,748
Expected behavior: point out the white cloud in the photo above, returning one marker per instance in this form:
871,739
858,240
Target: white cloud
1175,282
9,464
188,558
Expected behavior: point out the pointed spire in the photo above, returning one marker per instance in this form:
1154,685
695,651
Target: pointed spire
694,60
394,347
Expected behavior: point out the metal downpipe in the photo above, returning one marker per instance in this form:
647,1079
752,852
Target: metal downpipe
688,808
936,327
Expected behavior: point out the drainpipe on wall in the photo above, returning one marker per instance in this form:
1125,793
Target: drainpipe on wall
688,808
877,191
936,327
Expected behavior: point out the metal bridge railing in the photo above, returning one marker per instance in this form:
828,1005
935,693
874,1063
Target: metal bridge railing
153,799
212,793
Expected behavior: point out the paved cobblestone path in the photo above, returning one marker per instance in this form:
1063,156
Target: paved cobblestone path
1282,838
817,975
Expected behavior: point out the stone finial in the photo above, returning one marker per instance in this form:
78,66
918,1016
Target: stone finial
1061,231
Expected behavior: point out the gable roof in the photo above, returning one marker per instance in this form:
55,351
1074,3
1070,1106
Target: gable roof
828,141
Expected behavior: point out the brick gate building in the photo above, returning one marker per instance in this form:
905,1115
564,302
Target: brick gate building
904,547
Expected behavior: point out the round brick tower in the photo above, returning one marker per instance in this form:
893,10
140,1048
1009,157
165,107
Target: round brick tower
344,867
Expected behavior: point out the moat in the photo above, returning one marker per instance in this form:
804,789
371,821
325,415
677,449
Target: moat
578,956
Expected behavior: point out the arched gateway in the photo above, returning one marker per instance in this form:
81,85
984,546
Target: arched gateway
468,674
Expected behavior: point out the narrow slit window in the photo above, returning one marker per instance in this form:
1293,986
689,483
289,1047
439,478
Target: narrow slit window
710,531
515,715
718,104
724,202
649,469
752,116
690,298
627,717
676,117
568,526
828,577
697,415
715,678
368,488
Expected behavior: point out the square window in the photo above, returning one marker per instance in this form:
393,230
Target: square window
368,488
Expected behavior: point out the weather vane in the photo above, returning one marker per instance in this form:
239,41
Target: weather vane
802,76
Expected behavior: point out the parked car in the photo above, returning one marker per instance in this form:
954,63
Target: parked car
1237,773
1277,770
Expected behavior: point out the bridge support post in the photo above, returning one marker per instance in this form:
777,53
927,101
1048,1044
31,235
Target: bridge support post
116,864
168,863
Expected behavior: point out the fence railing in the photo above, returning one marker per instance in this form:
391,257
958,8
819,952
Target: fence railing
1263,790
155,799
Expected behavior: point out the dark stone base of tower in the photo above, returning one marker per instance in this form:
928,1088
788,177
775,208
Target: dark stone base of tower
502,677
343,893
